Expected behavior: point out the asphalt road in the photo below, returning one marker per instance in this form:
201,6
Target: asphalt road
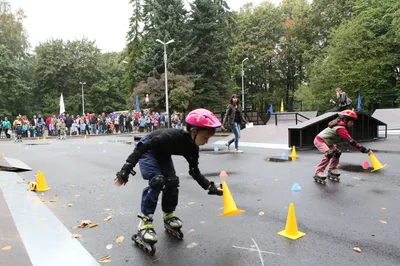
361,211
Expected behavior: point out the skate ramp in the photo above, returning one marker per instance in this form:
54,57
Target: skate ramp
389,116
15,165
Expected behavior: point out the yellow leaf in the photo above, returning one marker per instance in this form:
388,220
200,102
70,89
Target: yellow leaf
192,245
70,205
76,236
93,225
108,209
190,203
119,239
73,185
54,200
76,196
109,246
7,248
64,206
105,259
382,221
261,213
84,223
102,195
156,260
42,219
54,195
191,230
108,218
357,249
42,200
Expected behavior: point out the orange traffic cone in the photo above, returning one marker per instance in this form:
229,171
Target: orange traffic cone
229,204
375,162
291,231
41,182
223,174
294,154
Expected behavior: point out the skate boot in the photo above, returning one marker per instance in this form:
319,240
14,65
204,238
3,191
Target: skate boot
173,225
320,178
334,175
146,237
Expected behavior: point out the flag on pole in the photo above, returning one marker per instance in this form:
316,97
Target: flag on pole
359,103
137,104
270,110
62,106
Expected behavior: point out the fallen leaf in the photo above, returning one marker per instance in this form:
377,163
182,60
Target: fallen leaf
202,222
7,248
357,249
190,203
383,209
105,259
101,185
192,245
42,200
108,209
54,200
19,182
76,236
102,195
191,230
64,206
73,185
261,213
84,223
70,205
54,195
93,225
76,196
382,221
119,239
276,179
156,260
42,219
108,218
109,246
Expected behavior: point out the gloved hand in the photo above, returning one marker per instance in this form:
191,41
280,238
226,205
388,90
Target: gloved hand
363,149
213,190
123,174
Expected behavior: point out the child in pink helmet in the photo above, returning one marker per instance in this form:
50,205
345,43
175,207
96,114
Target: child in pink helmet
153,152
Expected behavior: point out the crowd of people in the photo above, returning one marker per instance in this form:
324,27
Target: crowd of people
67,125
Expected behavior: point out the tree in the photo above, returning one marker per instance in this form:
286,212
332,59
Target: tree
179,90
210,33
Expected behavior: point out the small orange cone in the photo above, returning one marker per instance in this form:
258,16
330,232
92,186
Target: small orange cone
291,231
1,154
375,162
223,174
294,154
229,204
41,182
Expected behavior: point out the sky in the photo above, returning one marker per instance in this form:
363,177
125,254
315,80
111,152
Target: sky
104,21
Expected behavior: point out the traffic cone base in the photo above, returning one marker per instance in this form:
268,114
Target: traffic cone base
291,231
229,204
41,182
375,162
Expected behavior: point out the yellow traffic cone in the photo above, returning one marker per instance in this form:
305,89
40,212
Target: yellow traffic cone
282,108
375,162
44,138
84,136
291,231
229,204
41,182
294,154
38,138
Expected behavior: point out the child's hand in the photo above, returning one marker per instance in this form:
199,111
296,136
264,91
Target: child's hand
118,182
213,190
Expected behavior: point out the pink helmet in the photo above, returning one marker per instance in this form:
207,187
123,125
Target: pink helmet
202,118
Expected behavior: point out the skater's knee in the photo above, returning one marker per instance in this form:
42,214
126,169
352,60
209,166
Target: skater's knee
157,182
329,154
338,153
172,182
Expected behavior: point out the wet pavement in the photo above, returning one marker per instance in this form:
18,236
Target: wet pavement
361,211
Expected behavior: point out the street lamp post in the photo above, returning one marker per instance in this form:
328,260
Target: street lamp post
243,82
83,98
166,79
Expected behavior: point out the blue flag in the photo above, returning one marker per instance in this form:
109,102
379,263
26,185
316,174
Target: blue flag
137,104
270,109
359,103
